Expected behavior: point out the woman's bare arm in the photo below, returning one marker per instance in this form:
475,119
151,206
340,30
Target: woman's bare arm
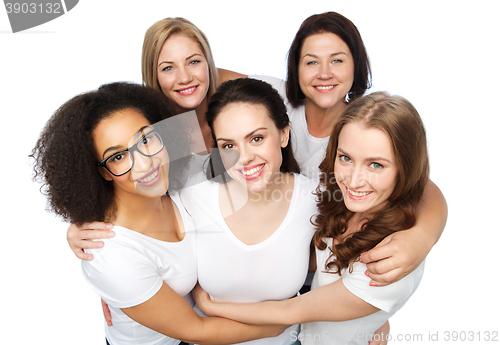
402,252
170,314
332,302
225,75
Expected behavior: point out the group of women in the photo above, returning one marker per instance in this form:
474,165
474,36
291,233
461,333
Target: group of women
300,175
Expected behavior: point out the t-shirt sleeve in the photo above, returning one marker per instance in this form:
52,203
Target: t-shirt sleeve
122,275
388,298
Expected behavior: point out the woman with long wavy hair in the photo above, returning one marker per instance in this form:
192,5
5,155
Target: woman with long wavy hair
377,166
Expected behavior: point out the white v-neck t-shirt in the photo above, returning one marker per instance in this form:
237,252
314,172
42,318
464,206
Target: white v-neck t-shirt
274,269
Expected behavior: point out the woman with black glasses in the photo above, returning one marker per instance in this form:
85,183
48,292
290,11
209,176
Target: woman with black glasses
111,155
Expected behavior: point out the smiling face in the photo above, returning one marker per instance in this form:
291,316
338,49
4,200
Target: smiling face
124,129
365,167
183,72
250,144
326,70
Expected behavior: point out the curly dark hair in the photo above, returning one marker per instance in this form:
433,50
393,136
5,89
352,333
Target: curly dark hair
64,155
253,91
397,117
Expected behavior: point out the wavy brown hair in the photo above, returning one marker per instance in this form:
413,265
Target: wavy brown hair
397,117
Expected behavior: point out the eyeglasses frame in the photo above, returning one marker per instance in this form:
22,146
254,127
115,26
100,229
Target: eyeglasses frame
131,149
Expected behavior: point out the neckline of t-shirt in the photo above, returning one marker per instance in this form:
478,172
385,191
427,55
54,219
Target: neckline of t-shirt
302,112
270,239
183,219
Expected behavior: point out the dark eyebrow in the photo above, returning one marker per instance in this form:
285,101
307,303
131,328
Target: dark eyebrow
246,136
112,148
118,147
331,55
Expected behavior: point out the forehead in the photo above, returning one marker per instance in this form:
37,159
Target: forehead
118,129
325,42
179,44
362,142
238,119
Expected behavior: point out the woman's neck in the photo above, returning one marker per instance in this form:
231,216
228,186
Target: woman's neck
146,215
200,111
205,129
320,121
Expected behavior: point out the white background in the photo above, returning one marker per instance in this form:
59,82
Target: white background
441,55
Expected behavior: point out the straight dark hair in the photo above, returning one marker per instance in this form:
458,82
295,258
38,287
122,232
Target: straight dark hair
252,91
335,23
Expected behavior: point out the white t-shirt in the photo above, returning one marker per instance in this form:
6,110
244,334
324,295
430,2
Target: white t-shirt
388,298
197,164
131,269
309,151
232,271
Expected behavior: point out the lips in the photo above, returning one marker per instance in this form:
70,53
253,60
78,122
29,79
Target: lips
324,88
357,195
187,91
150,178
252,172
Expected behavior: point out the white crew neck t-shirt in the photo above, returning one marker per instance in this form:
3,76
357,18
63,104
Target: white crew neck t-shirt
359,331
131,268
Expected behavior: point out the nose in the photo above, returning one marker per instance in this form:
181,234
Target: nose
246,155
325,72
142,163
356,178
184,76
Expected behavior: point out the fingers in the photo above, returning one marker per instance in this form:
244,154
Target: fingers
384,279
80,237
80,254
107,313
96,226
381,251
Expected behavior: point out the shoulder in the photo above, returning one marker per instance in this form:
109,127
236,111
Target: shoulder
125,249
123,273
303,193
389,298
187,219
305,183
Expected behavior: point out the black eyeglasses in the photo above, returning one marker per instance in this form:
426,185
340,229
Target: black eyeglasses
122,161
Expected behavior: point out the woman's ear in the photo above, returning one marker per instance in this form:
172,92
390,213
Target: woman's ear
105,174
285,136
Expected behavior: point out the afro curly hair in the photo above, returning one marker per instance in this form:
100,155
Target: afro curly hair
64,155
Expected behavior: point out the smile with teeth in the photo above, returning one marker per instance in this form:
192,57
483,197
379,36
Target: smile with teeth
357,194
325,87
149,178
185,91
252,171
